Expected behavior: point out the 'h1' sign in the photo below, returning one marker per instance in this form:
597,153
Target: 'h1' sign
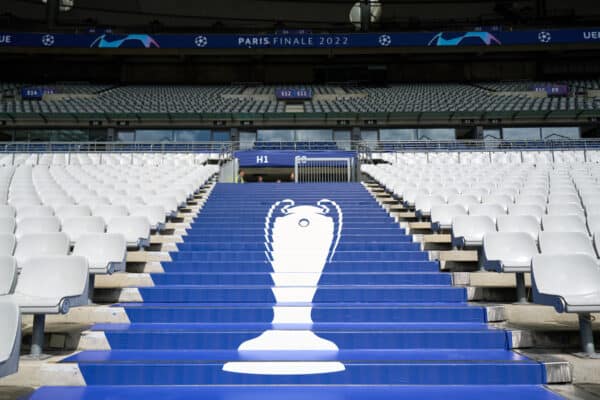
262,159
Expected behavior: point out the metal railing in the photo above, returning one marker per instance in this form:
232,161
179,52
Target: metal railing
365,148
323,169
483,145
117,147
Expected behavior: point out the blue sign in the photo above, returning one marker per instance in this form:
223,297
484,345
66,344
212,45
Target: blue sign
35,93
294,94
32,93
552,90
282,159
302,40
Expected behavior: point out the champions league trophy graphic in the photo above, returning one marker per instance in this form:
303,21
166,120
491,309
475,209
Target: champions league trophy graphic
300,240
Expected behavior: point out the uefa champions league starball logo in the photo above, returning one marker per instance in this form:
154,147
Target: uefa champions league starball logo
201,41
544,37
48,40
385,40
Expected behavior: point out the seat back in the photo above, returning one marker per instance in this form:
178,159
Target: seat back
8,274
7,225
74,227
101,250
134,229
566,243
563,275
41,244
110,212
54,276
66,212
7,211
34,211
7,244
37,225
519,223
564,223
534,210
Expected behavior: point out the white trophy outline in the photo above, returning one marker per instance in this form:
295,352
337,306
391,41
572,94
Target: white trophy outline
298,262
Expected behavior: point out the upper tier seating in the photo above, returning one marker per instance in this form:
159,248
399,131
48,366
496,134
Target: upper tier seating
409,97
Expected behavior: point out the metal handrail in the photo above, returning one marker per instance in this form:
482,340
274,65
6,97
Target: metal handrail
364,148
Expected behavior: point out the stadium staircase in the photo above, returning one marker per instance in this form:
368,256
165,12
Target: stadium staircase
402,329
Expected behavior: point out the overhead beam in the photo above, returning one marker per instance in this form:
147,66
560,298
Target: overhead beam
52,9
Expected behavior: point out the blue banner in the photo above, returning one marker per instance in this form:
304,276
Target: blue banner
307,41
282,158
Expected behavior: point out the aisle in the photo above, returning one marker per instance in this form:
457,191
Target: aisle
219,324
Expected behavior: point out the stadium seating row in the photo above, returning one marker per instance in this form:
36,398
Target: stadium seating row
507,211
61,225
533,157
106,158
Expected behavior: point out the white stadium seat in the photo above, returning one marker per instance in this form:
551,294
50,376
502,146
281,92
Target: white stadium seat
155,214
570,283
136,230
468,231
423,204
510,252
75,227
104,252
442,215
50,285
169,203
10,336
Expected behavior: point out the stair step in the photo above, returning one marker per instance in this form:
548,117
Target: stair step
350,339
196,278
351,392
369,355
407,255
245,313
401,373
249,248
325,294
334,266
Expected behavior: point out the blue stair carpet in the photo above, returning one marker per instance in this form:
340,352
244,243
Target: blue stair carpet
383,322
